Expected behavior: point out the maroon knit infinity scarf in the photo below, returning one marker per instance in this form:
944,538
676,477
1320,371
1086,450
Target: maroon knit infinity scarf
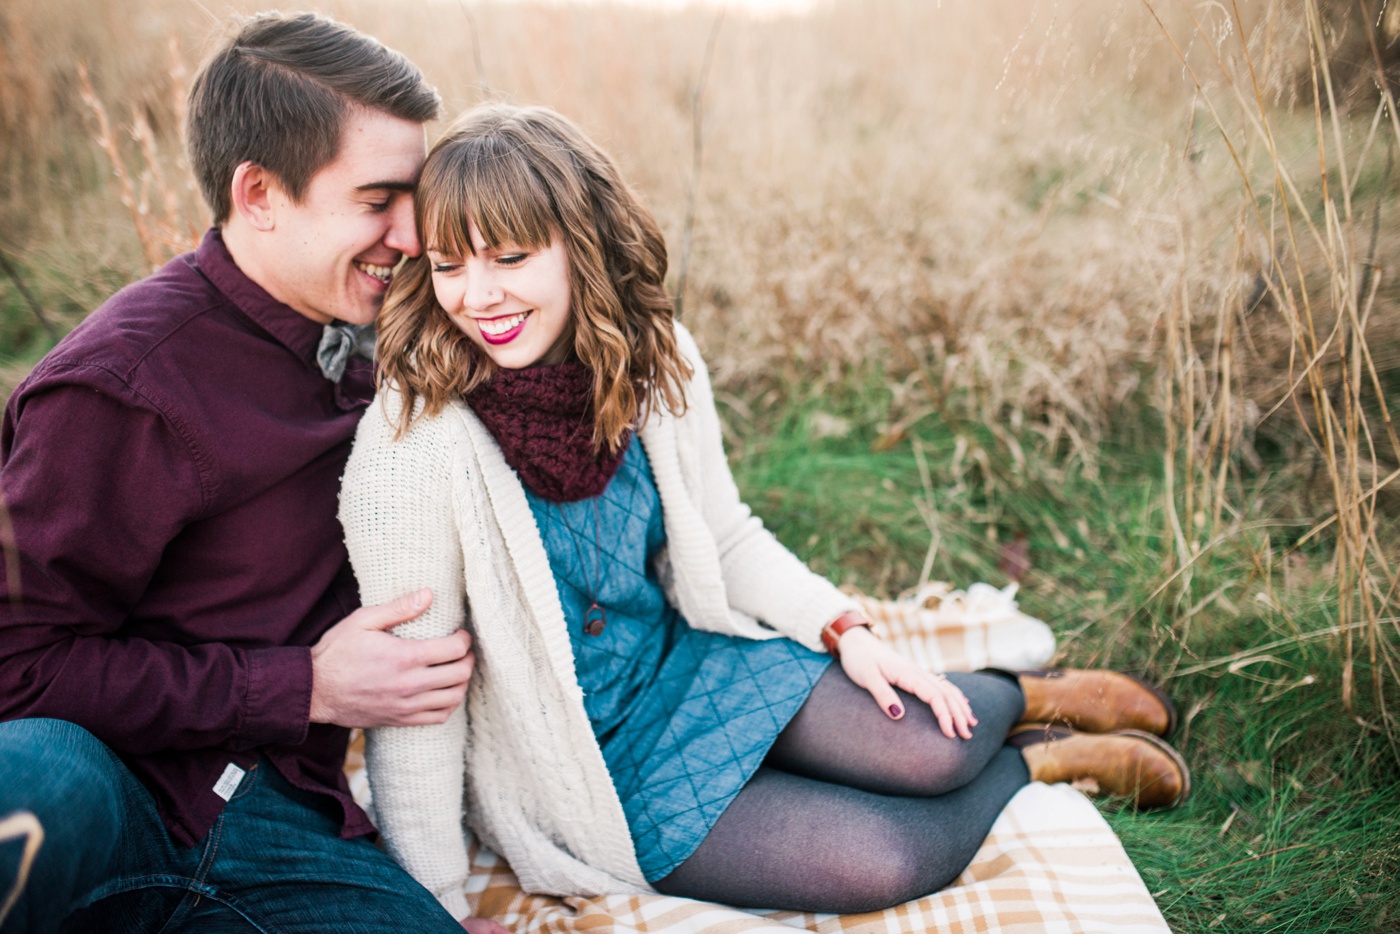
542,417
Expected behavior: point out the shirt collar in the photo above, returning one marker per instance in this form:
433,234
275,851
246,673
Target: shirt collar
289,327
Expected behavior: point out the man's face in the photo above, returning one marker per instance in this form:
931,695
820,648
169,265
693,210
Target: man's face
331,255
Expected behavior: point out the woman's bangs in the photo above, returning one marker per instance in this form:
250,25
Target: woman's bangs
445,227
508,200
497,190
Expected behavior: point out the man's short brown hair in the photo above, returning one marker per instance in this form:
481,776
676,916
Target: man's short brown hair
278,92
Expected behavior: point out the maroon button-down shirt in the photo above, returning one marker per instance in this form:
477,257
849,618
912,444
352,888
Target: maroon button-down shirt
170,472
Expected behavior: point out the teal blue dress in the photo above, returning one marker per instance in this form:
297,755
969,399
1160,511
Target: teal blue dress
684,717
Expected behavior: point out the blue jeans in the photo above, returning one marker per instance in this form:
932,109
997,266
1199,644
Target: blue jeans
273,862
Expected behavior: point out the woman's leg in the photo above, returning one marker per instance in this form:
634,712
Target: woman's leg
841,736
857,812
793,842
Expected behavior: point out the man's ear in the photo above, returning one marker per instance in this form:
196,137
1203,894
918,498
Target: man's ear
252,195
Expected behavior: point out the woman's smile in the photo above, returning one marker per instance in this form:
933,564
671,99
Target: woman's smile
502,330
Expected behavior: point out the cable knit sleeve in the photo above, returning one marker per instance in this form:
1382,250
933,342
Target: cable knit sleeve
401,532
762,578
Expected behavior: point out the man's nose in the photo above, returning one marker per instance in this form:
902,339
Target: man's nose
403,232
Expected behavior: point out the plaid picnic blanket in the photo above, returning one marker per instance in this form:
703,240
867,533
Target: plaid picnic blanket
1051,863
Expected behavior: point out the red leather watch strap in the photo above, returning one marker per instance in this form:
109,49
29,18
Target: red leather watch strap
832,633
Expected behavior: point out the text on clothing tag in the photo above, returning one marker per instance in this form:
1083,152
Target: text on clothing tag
228,782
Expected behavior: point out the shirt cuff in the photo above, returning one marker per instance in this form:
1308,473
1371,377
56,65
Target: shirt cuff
277,702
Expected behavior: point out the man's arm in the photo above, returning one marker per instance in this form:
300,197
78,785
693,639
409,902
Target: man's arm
97,484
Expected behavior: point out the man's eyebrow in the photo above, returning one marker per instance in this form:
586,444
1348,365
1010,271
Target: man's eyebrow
397,185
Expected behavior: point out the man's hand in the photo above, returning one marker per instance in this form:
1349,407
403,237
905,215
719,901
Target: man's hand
362,676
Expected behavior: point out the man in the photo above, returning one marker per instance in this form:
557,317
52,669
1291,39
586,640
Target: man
182,651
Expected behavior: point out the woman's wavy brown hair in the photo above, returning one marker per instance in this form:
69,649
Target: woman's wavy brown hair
526,175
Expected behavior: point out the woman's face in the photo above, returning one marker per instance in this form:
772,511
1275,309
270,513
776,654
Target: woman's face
513,302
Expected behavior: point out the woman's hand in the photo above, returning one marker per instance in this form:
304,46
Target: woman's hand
876,667
482,926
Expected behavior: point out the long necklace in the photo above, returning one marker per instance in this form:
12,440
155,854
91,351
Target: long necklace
594,618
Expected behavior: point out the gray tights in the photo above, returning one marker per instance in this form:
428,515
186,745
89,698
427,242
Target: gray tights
853,811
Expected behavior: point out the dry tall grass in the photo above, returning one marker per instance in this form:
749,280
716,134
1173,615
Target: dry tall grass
987,193
1313,237
1036,214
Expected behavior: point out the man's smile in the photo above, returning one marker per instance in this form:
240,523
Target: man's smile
382,273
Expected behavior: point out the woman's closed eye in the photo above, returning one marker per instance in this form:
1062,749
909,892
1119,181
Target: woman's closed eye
446,265
441,261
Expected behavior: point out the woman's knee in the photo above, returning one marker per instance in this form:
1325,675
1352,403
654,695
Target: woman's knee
994,694
929,763
905,871
950,772
900,878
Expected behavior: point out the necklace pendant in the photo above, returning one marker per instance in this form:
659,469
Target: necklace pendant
594,620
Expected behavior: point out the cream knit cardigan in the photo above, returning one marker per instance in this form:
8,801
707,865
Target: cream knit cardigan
441,508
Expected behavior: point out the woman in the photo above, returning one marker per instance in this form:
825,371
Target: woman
655,704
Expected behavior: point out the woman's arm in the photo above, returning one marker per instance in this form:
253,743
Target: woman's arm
401,532
762,578
771,584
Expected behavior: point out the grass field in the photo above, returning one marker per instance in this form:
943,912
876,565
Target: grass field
1295,820
1109,278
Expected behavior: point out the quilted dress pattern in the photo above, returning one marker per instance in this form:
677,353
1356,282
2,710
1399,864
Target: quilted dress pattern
684,717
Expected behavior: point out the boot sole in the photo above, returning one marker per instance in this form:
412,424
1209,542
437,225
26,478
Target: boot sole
1172,754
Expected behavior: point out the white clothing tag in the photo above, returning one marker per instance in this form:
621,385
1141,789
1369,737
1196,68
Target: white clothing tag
228,782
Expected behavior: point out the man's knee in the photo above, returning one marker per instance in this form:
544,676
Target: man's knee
60,813
53,765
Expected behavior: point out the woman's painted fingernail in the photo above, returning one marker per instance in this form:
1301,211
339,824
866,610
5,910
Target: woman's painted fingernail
896,711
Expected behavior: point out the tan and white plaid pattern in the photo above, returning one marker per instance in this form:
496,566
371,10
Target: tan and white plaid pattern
1051,863
953,630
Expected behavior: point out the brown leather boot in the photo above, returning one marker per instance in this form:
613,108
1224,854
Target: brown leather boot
1127,764
1095,701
